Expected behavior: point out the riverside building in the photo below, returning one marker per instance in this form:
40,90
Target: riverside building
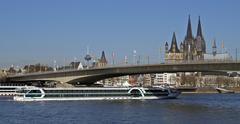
165,78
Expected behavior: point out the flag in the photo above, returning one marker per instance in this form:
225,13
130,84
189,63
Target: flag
222,44
113,54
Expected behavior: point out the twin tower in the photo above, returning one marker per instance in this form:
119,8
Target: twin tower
191,49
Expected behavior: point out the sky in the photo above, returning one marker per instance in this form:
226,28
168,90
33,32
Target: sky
46,30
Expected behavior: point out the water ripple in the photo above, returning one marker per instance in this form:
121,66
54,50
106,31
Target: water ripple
188,108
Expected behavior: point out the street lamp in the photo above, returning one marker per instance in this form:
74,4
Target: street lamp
139,60
64,64
74,63
147,57
28,67
113,58
236,54
160,52
125,60
134,56
54,65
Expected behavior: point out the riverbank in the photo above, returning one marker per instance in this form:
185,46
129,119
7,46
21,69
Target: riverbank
211,90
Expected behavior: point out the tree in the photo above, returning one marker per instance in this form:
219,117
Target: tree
188,80
12,70
2,76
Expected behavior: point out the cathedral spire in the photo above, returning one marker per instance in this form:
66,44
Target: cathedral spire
214,47
166,47
174,48
103,58
199,29
200,38
214,44
189,29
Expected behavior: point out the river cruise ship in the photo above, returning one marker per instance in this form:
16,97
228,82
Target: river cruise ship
93,93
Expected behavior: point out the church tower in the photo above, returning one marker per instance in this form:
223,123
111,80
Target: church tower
173,54
102,62
191,49
214,48
166,47
200,42
188,43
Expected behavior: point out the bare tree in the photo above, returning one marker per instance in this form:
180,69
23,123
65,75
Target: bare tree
188,80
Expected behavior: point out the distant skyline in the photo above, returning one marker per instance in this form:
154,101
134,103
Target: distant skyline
43,31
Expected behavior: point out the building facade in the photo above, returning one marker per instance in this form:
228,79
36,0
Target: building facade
165,78
216,56
173,54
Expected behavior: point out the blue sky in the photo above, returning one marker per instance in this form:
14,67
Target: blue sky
46,30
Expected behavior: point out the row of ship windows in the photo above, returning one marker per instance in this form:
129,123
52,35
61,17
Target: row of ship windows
155,94
83,91
77,95
94,95
153,91
95,91
6,91
86,95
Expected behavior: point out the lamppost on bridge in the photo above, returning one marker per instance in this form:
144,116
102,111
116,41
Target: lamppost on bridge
134,56
147,58
113,58
236,54
28,68
139,60
160,54
74,63
64,63
54,65
125,60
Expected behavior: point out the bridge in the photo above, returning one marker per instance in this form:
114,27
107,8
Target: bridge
88,76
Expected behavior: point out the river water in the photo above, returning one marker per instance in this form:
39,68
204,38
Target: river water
187,109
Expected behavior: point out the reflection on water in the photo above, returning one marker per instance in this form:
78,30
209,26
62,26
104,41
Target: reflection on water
188,108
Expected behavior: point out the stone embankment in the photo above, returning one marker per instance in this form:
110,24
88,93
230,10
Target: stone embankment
205,89
212,90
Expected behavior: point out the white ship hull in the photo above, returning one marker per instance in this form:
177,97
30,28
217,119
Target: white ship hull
16,98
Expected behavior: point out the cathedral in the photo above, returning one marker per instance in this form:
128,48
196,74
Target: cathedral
191,49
